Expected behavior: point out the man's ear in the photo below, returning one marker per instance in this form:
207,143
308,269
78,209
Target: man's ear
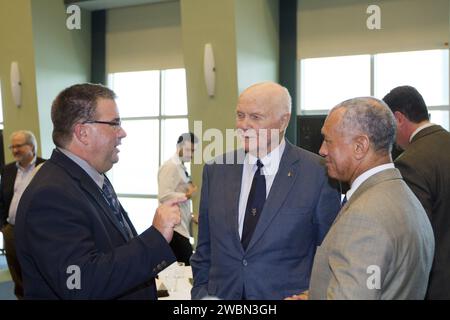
400,118
361,145
285,121
81,133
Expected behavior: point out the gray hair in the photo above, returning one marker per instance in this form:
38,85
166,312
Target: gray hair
370,116
278,95
30,139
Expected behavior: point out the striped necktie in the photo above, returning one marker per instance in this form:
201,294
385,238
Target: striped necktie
113,202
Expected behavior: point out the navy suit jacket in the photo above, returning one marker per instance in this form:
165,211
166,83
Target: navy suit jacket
297,214
63,221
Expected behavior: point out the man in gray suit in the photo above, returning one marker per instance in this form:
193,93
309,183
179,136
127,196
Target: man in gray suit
425,166
381,244
261,217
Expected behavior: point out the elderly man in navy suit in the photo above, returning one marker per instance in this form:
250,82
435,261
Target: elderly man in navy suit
261,217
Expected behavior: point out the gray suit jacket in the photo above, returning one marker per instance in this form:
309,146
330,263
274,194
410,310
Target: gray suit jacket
382,231
425,166
297,214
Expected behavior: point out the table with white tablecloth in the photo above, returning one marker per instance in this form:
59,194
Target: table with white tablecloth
177,279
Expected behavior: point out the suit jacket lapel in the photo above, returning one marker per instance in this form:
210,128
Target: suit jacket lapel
282,184
233,179
127,219
92,189
86,183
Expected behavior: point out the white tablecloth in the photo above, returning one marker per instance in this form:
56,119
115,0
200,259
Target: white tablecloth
176,278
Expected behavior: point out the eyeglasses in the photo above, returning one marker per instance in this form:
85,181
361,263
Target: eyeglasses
115,124
16,146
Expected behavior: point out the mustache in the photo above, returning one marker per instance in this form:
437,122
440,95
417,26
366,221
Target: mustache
250,133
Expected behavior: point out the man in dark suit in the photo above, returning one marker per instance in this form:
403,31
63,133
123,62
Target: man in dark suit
73,238
15,177
425,166
263,215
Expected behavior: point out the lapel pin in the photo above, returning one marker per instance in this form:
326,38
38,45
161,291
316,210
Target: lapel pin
289,174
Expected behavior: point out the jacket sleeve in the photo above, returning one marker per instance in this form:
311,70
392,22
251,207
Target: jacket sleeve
327,208
362,248
59,233
3,213
201,259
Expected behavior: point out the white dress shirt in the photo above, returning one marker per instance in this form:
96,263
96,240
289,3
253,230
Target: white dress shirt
173,182
366,175
271,164
23,178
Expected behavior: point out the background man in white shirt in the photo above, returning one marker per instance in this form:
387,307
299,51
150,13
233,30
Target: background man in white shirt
15,177
173,182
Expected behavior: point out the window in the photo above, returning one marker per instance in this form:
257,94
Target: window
153,108
324,82
327,81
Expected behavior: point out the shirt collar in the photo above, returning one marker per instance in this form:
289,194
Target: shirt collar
176,159
31,164
366,175
94,174
426,125
271,161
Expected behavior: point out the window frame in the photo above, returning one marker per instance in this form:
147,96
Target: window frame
160,118
301,111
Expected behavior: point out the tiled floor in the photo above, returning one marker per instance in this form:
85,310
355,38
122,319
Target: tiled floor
3,264
6,285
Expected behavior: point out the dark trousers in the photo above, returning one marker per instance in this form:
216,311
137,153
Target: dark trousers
11,259
181,247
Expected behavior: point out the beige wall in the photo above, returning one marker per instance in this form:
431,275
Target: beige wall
50,57
209,21
257,41
146,37
333,28
16,40
62,58
244,37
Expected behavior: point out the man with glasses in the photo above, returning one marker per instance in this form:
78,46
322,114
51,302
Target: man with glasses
74,239
15,177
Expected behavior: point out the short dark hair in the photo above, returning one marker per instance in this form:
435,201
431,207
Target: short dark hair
189,136
409,101
73,105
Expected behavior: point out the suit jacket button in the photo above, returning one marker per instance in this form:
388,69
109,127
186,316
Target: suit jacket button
244,262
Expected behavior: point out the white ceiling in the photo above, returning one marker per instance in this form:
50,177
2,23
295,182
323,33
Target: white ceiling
92,5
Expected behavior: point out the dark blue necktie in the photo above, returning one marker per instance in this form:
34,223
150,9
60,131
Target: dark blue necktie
255,205
344,201
113,202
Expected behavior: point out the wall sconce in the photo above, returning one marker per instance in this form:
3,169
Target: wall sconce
16,85
209,69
